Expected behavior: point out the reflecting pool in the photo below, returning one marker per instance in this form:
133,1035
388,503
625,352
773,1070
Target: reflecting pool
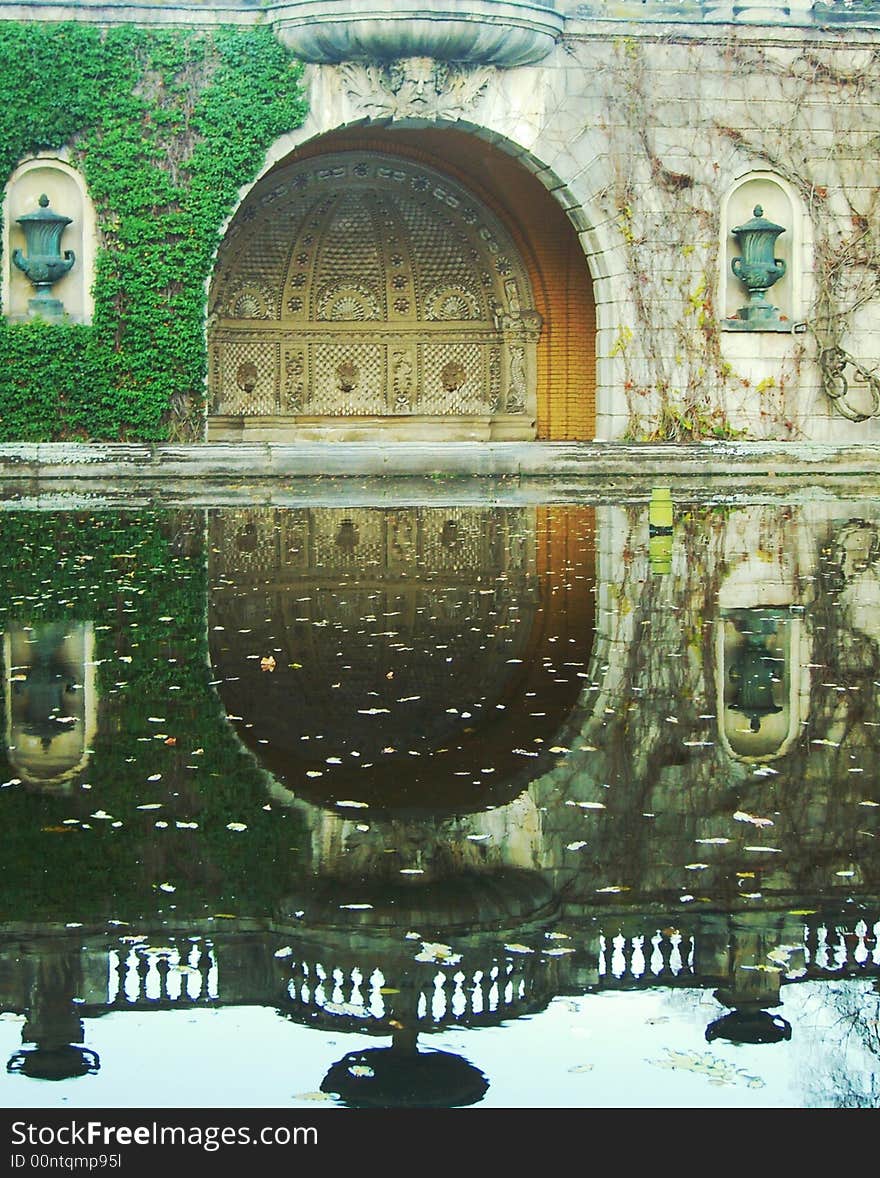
441,804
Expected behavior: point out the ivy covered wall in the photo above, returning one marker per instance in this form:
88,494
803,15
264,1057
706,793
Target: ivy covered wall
165,126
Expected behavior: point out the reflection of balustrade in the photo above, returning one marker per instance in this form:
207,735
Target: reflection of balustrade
141,976
840,950
639,960
350,989
348,998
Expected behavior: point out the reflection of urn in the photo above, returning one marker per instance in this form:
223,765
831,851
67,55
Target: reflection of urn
401,1076
757,268
755,673
44,264
53,1033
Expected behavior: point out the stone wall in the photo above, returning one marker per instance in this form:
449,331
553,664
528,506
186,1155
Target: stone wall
658,129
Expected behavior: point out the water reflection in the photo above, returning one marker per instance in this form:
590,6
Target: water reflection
50,699
399,775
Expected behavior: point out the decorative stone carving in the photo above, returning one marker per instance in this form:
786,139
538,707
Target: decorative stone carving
491,32
294,387
402,381
403,296
516,390
415,87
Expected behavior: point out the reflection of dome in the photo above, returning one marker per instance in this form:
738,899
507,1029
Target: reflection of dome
406,648
383,1077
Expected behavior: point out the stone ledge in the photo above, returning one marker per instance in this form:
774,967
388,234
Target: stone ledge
137,464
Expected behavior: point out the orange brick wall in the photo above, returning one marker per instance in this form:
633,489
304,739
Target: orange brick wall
566,356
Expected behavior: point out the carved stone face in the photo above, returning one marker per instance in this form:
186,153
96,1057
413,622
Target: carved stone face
418,76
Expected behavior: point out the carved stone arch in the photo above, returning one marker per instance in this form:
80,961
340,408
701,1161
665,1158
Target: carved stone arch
370,293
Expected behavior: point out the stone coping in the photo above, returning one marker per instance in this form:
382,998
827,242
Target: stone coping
718,461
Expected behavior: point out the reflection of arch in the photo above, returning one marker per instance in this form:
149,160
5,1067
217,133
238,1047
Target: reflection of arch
553,381
406,647
68,197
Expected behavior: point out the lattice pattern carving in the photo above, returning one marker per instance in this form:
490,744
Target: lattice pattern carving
347,378
398,293
454,379
247,377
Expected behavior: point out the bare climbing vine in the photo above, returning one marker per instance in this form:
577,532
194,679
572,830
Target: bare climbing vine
796,112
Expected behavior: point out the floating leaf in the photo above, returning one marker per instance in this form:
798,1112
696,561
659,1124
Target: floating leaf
742,816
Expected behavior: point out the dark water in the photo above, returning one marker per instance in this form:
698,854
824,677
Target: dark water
508,806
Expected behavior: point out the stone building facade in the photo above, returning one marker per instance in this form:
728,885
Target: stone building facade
509,220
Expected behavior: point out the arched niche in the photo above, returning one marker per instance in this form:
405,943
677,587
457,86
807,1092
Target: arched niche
68,197
51,701
779,204
358,294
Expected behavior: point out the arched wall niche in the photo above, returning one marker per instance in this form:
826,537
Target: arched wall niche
780,204
69,197
560,366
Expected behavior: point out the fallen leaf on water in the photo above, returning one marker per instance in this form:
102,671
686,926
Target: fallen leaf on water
442,954
742,816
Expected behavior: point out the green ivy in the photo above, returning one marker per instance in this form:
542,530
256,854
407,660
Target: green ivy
165,126
140,579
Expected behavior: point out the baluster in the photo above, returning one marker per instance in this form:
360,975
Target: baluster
142,970
811,943
163,968
116,980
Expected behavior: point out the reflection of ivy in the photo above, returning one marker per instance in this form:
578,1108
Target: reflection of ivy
166,127
141,581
